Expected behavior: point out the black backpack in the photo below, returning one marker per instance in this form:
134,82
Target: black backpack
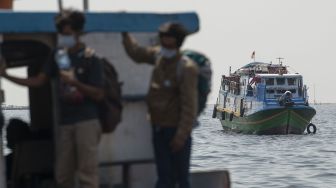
110,109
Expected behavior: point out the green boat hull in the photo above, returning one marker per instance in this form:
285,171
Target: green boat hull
282,120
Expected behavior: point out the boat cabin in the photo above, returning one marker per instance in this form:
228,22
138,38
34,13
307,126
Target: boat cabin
276,85
260,84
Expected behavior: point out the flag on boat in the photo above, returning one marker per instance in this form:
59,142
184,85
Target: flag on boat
253,55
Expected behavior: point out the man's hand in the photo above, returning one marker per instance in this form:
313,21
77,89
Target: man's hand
67,76
177,144
3,67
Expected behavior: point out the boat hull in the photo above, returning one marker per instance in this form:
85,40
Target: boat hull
281,120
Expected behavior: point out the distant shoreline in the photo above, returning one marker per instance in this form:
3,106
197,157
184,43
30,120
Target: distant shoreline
10,107
322,103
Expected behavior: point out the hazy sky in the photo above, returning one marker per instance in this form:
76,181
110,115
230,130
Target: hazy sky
301,31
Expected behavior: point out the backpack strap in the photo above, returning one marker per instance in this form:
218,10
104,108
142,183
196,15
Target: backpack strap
180,65
86,55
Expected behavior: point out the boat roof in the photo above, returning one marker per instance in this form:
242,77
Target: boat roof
43,22
278,75
254,64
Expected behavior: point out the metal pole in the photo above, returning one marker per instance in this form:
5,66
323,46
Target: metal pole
314,95
2,97
86,5
2,159
60,5
2,162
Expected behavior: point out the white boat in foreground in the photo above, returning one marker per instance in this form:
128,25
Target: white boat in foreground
126,156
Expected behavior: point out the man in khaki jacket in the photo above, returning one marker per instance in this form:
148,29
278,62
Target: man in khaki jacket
172,102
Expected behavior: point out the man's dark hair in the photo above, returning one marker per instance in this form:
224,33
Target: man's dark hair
74,18
174,29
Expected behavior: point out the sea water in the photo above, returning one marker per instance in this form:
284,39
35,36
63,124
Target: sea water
292,161
282,161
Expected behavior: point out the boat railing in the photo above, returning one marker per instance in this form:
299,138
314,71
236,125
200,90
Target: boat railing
275,101
231,85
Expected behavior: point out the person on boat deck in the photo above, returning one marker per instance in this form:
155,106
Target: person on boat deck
80,87
17,131
252,85
172,102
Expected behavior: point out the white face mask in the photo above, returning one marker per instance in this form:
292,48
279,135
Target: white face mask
66,41
166,53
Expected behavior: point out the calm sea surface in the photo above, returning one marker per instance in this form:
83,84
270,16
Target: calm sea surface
291,161
286,161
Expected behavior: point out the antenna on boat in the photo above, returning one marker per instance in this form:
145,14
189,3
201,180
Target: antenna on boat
280,58
230,71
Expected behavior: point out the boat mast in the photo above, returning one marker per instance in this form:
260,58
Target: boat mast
280,58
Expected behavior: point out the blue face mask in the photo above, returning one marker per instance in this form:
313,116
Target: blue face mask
166,53
66,41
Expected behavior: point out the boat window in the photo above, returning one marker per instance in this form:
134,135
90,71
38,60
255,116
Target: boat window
269,81
281,91
280,81
293,91
270,91
291,81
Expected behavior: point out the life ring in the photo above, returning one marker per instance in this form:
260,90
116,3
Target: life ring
309,131
214,112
